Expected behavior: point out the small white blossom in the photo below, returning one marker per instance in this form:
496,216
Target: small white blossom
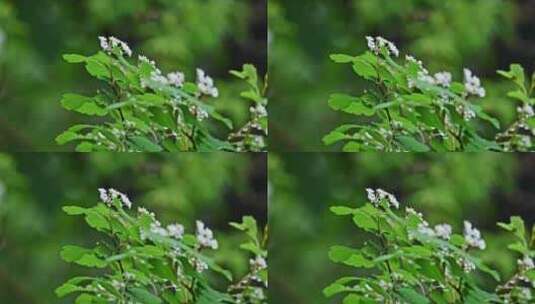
108,44
206,84
205,236
472,84
107,196
443,79
176,231
473,236
259,110
199,265
104,197
424,229
526,264
468,266
526,111
177,79
371,196
258,263
157,228
376,196
443,231
378,43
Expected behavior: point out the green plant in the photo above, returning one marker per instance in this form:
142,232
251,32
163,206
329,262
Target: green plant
408,109
145,262
408,261
151,112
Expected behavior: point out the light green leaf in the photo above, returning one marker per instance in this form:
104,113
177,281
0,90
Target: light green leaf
82,104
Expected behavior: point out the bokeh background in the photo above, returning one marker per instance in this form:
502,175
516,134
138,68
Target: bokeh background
212,34
215,188
483,35
483,188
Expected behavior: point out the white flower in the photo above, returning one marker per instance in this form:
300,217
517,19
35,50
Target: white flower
258,263
104,197
205,236
473,84
206,84
443,79
443,231
199,113
378,43
473,236
526,264
177,79
259,110
124,199
468,266
157,228
199,265
107,196
108,44
144,211
371,196
424,229
144,59
379,195
176,231
526,111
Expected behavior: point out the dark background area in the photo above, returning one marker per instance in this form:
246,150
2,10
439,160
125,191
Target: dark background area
179,35
483,188
215,188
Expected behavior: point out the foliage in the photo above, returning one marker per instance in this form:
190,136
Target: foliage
411,110
171,33
412,262
151,112
147,263
484,35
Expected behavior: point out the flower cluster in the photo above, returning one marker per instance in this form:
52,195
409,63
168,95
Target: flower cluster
379,195
146,261
206,84
110,44
109,195
473,236
472,84
205,236
378,44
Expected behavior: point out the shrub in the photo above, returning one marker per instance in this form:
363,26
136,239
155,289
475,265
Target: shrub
409,261
408,109
145,262
147,111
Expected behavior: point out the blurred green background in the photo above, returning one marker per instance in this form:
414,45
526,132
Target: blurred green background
483,188
216,188
216,35
483,35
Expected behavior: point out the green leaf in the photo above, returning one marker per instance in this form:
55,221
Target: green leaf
342,58
334,137
71,134
74,58
342,210
81,256
338,286
82,104
144,296
97,69
74,210
412,145
364,69
145,145
349,256
412,296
